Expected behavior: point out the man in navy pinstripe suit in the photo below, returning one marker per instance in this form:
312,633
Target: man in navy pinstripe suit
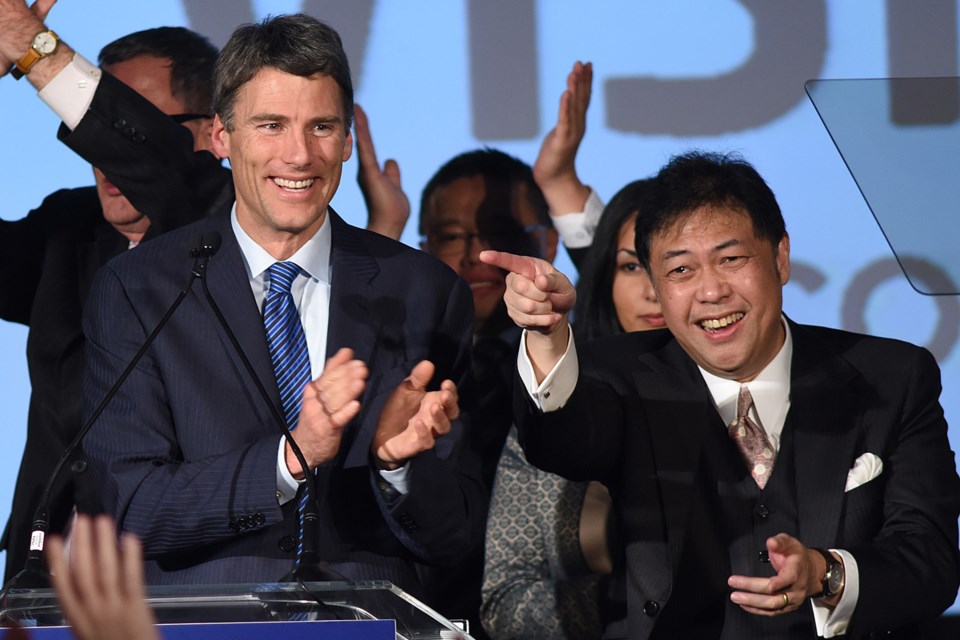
189,456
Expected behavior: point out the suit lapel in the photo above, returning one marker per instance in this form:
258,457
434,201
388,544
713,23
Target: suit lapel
679,410
230,288
352,322
826,423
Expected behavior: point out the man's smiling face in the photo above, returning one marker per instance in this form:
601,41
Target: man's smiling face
287,148
720,287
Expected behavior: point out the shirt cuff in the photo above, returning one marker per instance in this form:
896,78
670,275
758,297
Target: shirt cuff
831,623
287,485
397,479
577,229
559,384
70,92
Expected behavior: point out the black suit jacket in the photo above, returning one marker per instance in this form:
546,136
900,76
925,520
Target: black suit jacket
187,452
637,421
48,260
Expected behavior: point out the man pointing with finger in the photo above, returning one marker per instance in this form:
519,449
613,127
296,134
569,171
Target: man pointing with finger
362,344
770,479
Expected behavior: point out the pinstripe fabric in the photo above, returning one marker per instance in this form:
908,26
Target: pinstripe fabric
288,352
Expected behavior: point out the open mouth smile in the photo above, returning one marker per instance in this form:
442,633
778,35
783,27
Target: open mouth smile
294,185
713,325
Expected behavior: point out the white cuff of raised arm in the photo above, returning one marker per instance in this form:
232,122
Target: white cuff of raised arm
576,230
70,92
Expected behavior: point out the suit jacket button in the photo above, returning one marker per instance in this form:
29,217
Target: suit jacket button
120,124
763,511
651,608
287,543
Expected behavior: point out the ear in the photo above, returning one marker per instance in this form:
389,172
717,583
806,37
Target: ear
348,146
220,138
783,259
205,135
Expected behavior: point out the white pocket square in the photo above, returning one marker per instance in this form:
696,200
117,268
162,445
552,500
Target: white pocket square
866,468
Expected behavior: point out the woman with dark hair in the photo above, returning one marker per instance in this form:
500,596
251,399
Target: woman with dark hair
614,292
547,555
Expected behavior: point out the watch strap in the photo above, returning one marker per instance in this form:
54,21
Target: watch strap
832,564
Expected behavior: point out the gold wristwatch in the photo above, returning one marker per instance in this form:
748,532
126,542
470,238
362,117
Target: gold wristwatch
44,43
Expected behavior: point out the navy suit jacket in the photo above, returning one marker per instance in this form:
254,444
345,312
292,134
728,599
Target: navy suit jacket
637,421
187,451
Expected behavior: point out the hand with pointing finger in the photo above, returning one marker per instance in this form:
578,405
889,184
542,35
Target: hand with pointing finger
539,298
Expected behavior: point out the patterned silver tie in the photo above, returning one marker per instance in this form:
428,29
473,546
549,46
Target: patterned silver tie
752,440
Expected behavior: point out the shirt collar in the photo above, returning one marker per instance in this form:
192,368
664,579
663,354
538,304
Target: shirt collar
313,257
770,389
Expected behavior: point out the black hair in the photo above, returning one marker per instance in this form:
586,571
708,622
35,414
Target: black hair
595,314
699,179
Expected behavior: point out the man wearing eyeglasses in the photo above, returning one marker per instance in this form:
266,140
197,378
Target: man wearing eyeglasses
49,257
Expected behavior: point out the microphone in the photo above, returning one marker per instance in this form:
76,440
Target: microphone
310,569
201,248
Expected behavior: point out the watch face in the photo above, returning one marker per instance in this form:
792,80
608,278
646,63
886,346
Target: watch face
45,43
835,579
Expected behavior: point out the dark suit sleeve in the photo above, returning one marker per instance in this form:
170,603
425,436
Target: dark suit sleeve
22,244
910,570
581,441
149,157
171,501
442,516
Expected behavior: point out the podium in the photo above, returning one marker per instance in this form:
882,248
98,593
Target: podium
373,610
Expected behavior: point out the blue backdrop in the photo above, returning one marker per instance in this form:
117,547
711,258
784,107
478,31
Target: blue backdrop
438,77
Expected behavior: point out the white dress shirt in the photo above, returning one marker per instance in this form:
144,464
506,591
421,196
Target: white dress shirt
771,397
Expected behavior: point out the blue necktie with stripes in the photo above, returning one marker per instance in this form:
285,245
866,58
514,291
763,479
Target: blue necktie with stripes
288,351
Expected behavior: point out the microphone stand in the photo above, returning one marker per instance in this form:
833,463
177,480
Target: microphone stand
33,574
310,569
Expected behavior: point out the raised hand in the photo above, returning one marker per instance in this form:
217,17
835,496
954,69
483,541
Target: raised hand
413,418
329,403
798,577
19,26
388,207
555,168
101,591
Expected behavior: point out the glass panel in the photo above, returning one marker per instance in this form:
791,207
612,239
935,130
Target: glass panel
900,139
